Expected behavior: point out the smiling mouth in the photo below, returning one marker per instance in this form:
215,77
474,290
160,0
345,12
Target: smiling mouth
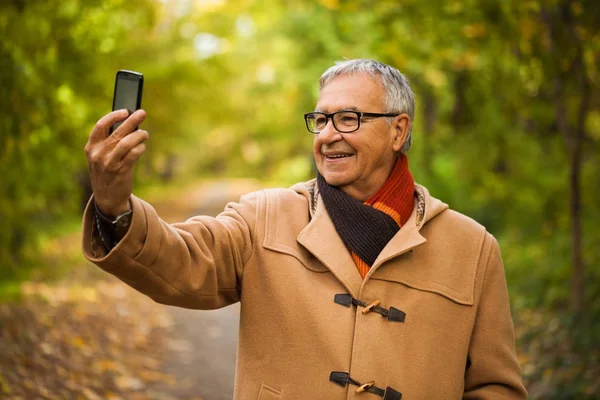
338,155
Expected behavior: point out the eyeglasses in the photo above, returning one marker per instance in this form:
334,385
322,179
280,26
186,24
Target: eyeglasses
343,121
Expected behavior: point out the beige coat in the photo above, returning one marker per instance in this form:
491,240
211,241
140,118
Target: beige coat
278,253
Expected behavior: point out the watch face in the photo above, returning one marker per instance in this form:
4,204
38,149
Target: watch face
123,221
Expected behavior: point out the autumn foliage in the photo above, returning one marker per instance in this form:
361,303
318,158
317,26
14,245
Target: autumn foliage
507,131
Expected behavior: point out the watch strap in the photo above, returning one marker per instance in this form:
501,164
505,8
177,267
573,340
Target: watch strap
105,231
111,231
121,221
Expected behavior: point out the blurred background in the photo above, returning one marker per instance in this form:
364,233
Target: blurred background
507,131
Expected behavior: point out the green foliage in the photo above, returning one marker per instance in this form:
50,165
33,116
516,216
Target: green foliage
497,86
53,75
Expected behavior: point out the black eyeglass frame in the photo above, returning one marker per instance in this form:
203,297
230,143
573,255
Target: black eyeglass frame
359,115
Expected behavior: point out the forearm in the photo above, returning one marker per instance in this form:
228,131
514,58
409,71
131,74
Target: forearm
195,264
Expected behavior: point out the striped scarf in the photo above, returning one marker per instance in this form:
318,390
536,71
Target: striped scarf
366,228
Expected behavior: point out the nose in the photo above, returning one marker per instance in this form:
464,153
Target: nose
329,134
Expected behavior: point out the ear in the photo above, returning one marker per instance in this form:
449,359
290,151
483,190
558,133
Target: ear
401,127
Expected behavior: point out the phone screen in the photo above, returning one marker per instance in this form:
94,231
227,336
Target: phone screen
128,93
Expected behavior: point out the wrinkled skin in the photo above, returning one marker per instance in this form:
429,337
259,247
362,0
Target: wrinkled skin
111,159
371,150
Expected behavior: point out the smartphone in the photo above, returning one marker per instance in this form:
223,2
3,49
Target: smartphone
128,93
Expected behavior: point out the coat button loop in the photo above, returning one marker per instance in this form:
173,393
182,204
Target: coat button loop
371,306
365,386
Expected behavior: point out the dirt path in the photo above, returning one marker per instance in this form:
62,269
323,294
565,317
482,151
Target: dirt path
203,344
89,336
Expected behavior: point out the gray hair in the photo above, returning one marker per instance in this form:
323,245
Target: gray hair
399,97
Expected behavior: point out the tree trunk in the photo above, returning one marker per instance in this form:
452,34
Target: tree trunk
575,186
575,208
573,134
459,112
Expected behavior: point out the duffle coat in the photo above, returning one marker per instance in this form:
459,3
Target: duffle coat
431,320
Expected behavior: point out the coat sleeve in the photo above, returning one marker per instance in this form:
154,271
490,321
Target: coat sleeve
196,264
493,371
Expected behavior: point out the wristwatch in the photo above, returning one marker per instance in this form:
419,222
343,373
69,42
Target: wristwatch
112,230
120,222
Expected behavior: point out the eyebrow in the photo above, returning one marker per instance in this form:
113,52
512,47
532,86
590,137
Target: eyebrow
352,108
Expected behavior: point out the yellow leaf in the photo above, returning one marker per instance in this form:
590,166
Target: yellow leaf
474,31
152,376
331,4
467,60
4,388
435,77
105,365
77,342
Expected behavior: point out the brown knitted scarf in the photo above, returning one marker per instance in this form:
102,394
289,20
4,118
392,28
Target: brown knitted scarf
366,228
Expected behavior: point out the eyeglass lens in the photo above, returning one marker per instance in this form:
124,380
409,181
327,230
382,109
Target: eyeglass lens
343,121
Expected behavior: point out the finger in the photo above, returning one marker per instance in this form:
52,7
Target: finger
129,125
128,143
134,154
102,127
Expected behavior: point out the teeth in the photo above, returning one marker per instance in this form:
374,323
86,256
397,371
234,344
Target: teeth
338,156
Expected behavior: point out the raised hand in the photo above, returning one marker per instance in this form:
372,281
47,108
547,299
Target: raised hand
111,159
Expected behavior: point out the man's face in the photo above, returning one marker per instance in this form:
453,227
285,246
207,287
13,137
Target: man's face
368,154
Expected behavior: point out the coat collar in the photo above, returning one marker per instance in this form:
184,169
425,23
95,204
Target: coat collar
409,236
320,238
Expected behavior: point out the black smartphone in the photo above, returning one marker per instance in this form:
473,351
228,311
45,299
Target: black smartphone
128,93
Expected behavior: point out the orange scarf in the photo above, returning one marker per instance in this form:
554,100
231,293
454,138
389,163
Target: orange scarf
395,198
366,228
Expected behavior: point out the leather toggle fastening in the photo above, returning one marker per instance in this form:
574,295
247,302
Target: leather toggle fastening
365,386
391,394
371,306
393,314
345,300
340,378
343,379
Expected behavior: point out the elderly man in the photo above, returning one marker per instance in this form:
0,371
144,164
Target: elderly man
355,285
